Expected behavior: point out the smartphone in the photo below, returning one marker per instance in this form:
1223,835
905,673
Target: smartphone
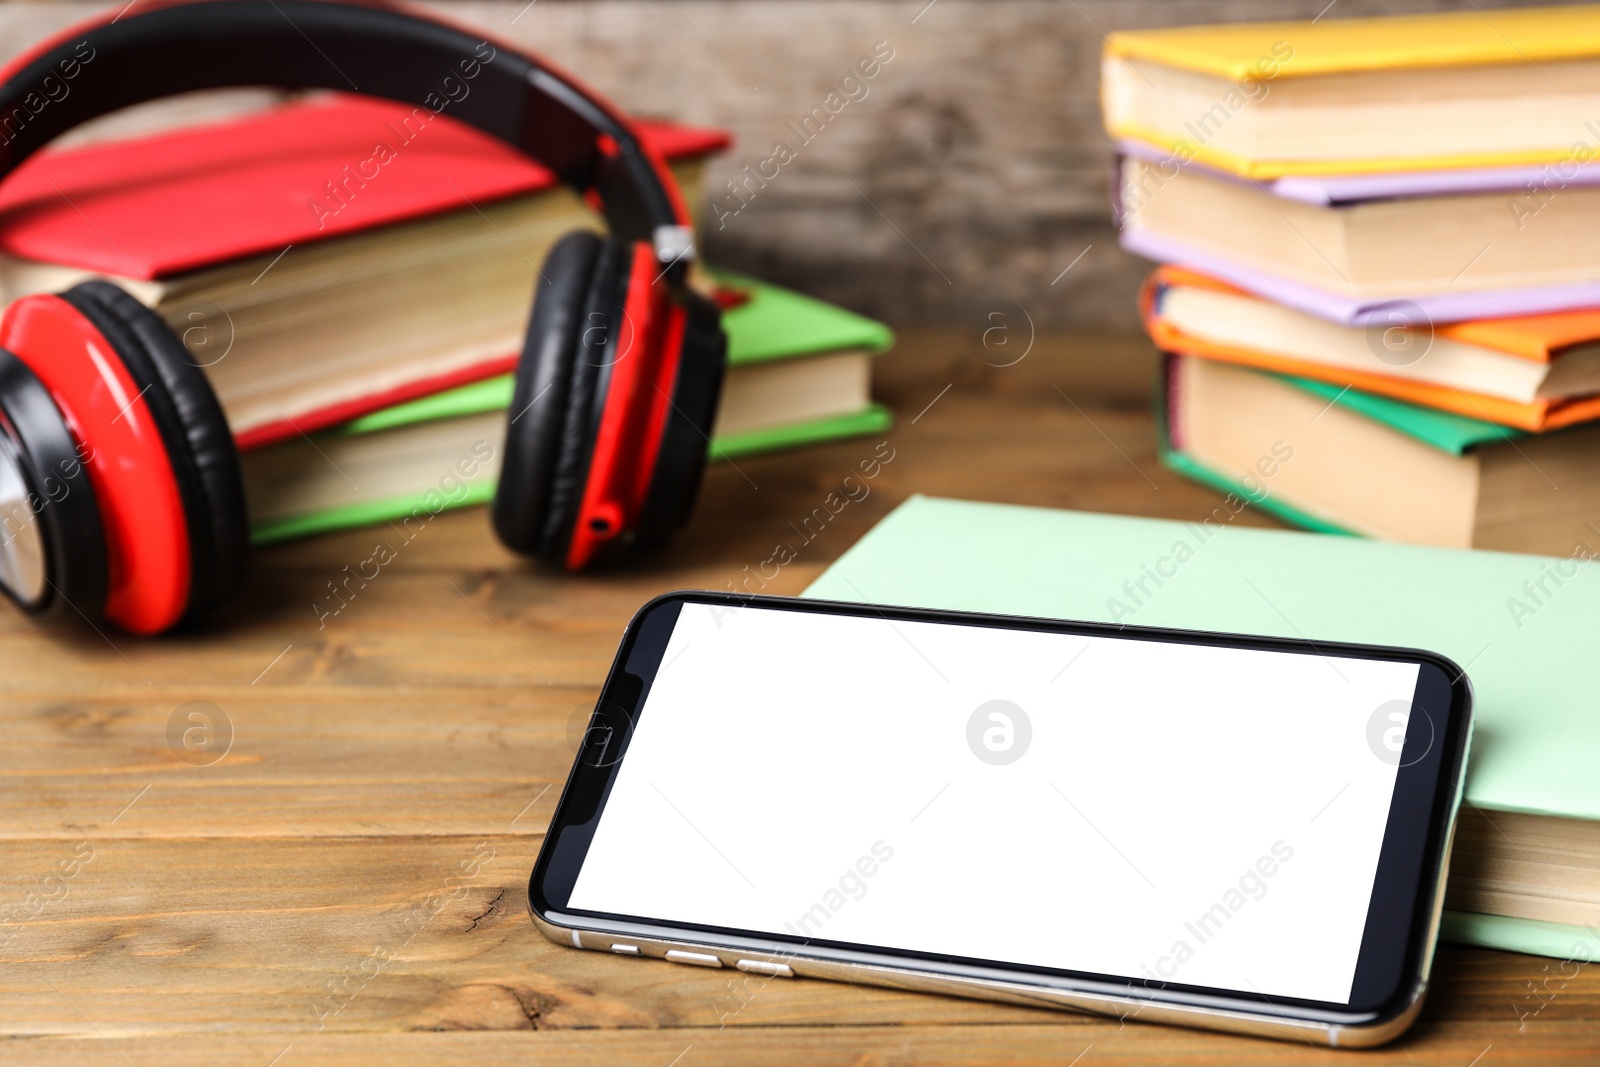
1239,833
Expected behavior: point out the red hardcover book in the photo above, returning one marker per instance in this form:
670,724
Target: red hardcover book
322,259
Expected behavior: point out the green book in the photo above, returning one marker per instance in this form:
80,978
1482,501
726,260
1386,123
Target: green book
1338,460
1524,627
798,374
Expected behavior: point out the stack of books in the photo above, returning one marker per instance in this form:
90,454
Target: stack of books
354,278
1379,294
799,373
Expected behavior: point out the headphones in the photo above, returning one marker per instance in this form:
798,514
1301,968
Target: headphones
120,492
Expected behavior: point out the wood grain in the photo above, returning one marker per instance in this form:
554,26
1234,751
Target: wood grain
346,884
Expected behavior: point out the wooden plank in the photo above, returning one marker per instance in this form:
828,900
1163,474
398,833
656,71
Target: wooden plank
295,936
300,933
1551,1044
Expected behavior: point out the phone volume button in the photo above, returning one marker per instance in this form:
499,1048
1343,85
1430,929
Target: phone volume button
625,950
771,970
693,959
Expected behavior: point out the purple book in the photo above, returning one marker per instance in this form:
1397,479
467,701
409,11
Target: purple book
1366,311
1342,189
1331,190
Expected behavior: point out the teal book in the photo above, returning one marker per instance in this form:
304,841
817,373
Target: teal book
1526,868
1339,460
798,374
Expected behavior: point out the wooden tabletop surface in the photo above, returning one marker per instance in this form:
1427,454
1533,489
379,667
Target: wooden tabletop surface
335,872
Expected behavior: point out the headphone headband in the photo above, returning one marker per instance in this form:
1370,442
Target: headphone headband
366,48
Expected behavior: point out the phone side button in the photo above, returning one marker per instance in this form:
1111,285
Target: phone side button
625,950
694,959
771,970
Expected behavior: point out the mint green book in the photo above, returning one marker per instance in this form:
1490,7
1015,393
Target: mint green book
1358,463
1524,627
798,374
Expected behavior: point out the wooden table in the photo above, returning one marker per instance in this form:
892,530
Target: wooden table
346,883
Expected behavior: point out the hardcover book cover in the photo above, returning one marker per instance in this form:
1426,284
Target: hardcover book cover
1535,337
1324,48
771,323
179,200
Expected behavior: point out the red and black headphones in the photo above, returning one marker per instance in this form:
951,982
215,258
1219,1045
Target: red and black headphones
120,493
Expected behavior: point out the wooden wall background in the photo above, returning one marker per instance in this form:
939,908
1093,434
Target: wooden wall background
970,175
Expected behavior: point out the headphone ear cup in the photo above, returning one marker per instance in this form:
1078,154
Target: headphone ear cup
198,443
696,390
594,354
543,382
52,544
559,394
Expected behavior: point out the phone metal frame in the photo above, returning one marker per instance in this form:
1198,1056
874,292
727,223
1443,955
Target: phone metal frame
1120,998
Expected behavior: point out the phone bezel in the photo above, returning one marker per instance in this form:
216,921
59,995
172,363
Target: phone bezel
1402,912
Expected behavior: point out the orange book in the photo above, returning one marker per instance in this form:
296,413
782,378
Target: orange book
1534,372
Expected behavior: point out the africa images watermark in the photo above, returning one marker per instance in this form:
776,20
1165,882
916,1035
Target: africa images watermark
1137,592
25,509
51,889
453,89
1250,885
452,488
853,87
1250,89
1553,575
353,978
853,489
53,88
851,885
1553,178
199,733
1580,955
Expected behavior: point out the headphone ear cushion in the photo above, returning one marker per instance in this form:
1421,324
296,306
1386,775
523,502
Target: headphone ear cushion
198,442
594,354
543,384
52,554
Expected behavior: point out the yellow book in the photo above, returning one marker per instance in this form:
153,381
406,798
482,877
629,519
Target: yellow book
1338,96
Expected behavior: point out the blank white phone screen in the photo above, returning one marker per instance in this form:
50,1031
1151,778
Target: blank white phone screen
1144,809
